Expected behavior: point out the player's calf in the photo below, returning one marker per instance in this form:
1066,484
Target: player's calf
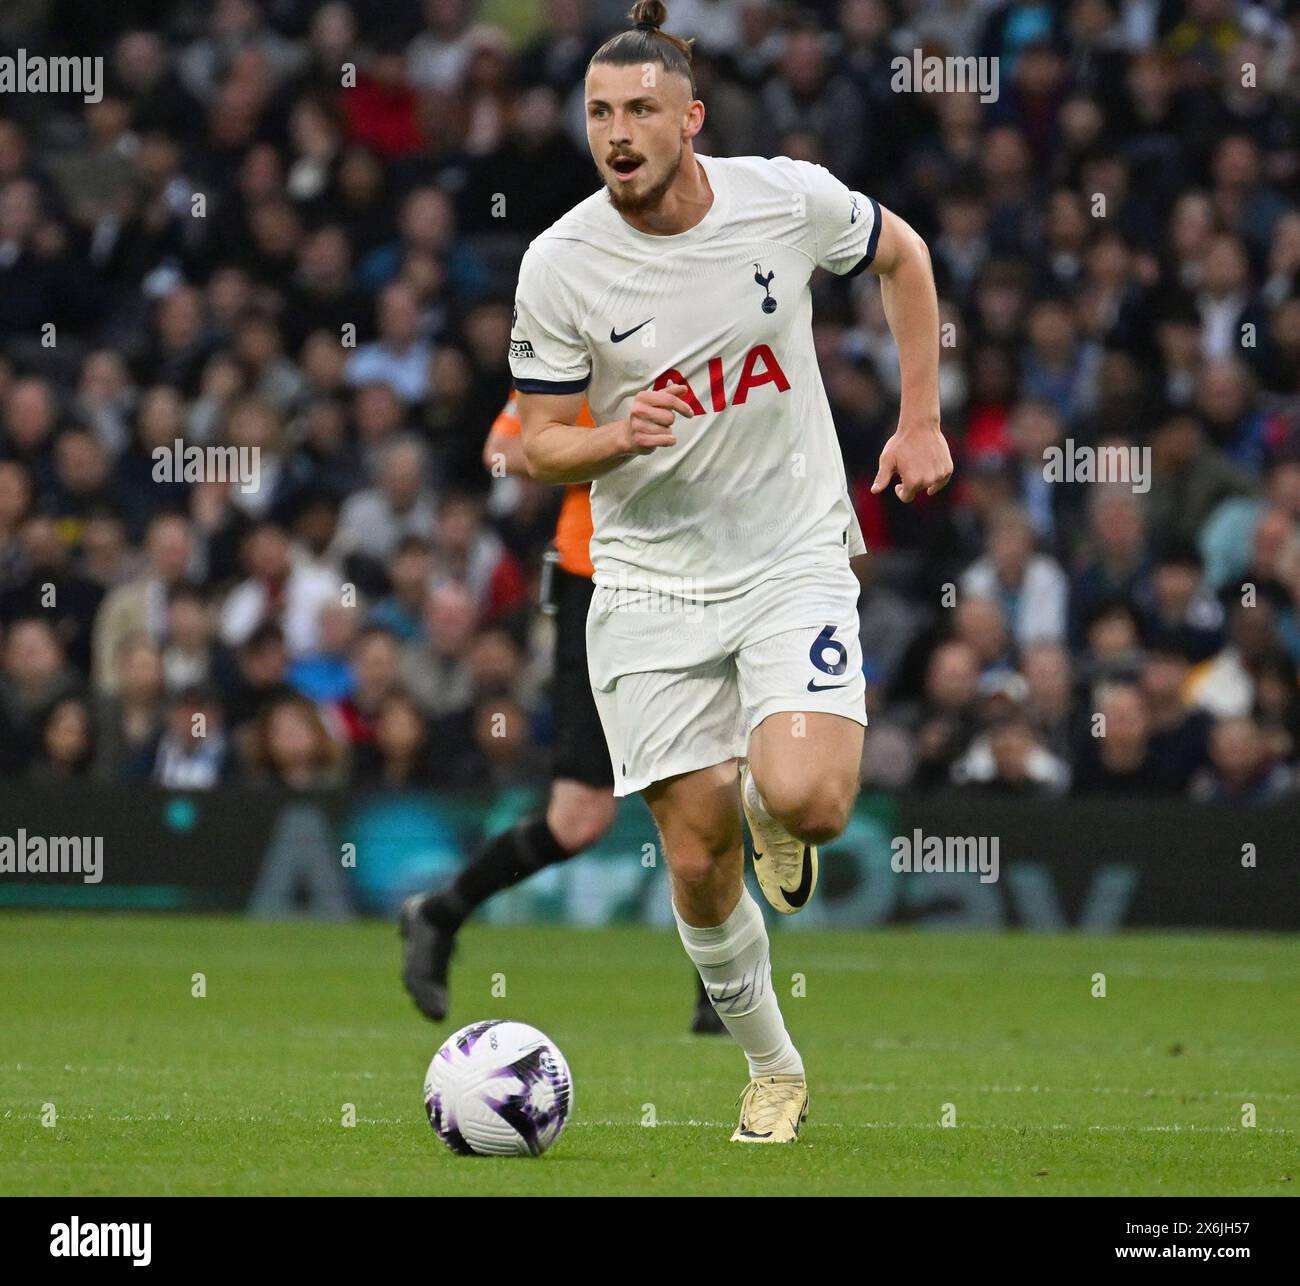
699,825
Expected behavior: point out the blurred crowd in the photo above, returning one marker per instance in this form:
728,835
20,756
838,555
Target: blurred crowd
245,244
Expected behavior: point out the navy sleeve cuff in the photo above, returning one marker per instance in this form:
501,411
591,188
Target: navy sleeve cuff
552,386
865,262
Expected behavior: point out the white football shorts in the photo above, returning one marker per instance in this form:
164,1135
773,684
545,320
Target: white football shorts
680,684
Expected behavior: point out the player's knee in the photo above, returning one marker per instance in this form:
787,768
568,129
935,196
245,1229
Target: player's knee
692,866
578,824
581,832
694,854
817,813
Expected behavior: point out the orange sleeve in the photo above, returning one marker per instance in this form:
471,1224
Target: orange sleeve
573,530
507,422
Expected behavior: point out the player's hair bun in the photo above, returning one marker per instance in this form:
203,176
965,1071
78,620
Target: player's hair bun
646,41
649,15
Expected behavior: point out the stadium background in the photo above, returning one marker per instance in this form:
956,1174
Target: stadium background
998,618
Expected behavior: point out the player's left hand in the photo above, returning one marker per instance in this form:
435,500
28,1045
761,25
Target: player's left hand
920,457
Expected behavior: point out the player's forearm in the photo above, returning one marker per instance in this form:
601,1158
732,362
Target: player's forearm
503,454
562,453
912,311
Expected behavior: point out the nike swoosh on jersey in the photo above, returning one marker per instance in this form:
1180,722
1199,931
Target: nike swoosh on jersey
616,338
824,687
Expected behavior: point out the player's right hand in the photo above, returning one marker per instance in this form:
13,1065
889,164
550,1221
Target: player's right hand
649,423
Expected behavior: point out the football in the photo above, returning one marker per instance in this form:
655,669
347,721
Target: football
498,1088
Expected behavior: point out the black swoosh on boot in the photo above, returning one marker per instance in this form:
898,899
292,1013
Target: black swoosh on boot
799,896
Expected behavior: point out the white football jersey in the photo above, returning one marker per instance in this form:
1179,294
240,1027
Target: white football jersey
755,486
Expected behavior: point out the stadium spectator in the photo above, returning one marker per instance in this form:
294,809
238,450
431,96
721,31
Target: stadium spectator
400,755
1050,697
1113,647
67,749
435,667
374,667
1223,685
1116,566
946,720
1178,734
1059,367
809,96
140,605
281,588
373,522
1277,704
325,673
323,294
1008,759
1116,758
15,504
30,415
1031,588
130,721
401,612
292,747
379,416
1241,770
191,655
44,583
106,557
1190,477
266,372
34,678
193,752
399,358
262,668
1175,606
469,553
438,57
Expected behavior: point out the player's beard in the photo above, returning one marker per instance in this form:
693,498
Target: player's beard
628,203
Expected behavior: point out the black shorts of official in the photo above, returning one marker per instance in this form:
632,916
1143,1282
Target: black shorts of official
580,750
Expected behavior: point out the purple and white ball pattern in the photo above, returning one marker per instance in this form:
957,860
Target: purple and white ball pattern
498,1088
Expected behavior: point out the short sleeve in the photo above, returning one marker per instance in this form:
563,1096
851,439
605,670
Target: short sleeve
547,352
856,543
845,224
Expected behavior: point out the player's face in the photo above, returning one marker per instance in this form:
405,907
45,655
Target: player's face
636,131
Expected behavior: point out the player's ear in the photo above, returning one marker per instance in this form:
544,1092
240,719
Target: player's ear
694,118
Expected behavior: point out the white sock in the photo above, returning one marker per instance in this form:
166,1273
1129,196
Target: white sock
733,960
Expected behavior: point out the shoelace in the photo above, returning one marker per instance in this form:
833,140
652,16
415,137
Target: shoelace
763,1104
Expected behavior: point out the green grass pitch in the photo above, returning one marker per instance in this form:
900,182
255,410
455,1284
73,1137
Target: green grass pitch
243,1091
